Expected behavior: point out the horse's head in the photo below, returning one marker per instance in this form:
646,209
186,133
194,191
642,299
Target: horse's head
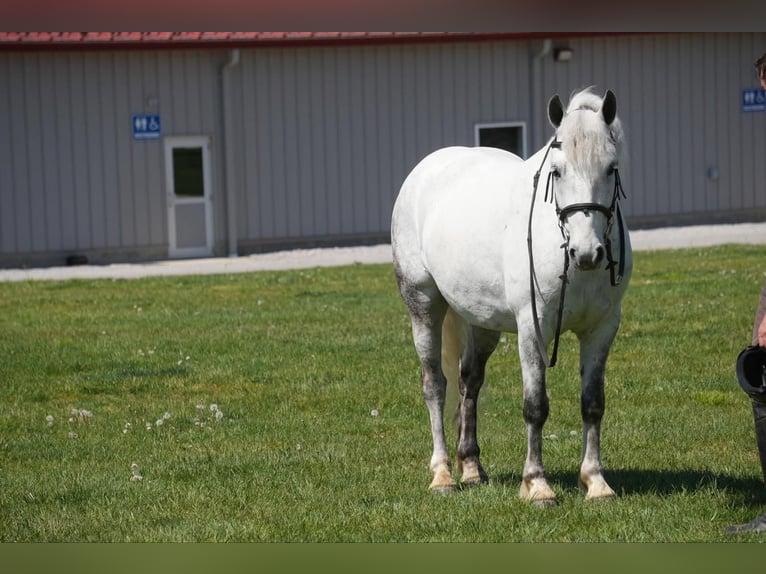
583,172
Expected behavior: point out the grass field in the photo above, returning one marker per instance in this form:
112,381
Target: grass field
285,406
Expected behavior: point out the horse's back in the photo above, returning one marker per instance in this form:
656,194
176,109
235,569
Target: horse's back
452,176
453,215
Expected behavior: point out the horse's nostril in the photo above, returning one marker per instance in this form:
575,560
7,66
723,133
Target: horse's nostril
599,254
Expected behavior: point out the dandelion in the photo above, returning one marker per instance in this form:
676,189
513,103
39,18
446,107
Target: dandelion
135,475
148,426
159,422
374,412
49,420
573,433
298,446
80,415
166,415
72,435
126,428
214,407
218,416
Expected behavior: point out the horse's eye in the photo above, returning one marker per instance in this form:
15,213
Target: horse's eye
556,173
610,171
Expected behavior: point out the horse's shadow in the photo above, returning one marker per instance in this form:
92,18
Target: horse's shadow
626,482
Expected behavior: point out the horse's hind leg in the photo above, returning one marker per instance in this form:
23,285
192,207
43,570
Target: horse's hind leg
427,309
594,349
481,345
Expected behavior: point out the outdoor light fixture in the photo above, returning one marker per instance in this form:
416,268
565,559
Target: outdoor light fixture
562,54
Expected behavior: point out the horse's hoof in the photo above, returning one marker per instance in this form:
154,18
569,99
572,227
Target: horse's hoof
472,474
538,492
597,490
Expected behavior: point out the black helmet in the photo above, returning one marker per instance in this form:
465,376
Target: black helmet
751,372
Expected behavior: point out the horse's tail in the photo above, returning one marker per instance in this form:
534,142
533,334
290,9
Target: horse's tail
454,337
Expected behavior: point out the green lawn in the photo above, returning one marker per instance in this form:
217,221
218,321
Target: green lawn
289,409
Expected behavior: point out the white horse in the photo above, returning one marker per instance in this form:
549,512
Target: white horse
478,250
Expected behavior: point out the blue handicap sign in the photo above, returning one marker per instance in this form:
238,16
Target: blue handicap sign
753,100
146,126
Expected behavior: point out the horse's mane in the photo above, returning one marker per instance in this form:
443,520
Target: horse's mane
584,136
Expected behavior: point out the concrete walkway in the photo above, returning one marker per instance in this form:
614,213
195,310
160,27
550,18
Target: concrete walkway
649,239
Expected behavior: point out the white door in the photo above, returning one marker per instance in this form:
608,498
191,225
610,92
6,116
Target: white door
190,213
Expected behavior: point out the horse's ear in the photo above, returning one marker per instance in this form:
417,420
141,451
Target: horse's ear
609,107
555,111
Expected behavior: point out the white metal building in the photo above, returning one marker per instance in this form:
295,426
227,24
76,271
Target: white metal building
136,146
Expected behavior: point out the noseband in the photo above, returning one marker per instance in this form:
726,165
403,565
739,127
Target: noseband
563,213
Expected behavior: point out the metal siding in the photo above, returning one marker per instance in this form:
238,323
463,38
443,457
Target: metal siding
653,108
356,135
20,154
344,152
140,149
152,206
92,121
106,115
63,155
34,130
293,128
79,145
276,140
371,146
50,213
733,118
305,168
316,152
7,205
264,146
332,141
124,173
748,162
383,195
676,93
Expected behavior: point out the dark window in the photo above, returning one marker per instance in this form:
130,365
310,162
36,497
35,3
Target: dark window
510,138
188,172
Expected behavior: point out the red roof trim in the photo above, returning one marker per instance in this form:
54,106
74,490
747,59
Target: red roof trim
143,40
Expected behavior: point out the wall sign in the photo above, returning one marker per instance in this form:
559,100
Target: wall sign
146,126
753,100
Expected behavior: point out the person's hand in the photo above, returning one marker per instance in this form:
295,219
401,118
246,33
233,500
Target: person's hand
762,332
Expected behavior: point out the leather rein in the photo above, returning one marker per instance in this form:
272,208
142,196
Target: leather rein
562,213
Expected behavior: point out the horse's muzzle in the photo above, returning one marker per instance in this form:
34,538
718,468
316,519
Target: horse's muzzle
587,260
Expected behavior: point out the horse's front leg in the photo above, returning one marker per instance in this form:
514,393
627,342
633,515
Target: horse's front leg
534,485
594,349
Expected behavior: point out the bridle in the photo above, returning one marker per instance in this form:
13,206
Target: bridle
611,213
